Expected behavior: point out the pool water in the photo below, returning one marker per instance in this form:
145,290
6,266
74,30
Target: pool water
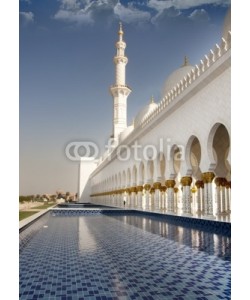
119,256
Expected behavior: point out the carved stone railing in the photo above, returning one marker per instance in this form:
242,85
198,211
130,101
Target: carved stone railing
192,76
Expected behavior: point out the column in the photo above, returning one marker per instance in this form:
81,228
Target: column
228,196
147,189
218,182
207,178
199,185
152,198
186,195
163,198
193,199
170,193
223,196
133,197
128,200
157,196
176,190
139,189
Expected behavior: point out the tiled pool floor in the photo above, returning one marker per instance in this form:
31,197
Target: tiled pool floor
103,257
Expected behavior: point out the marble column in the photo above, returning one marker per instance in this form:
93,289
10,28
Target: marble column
157,196
139,189
186,195
170,194
223,196
199,185
176,190
207,178
218,181
133,197
147,195
228,196
163,198
152,199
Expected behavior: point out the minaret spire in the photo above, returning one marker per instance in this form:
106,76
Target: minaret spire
120,91
120,32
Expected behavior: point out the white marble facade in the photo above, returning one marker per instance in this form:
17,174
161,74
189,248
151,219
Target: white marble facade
175,157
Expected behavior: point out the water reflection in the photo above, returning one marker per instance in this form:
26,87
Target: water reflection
86,240
212,243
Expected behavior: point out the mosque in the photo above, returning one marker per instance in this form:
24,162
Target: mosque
175,156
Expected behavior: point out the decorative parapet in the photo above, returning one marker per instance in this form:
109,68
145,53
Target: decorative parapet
206,63
195,73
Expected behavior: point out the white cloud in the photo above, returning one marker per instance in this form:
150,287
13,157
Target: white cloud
165,15
88,12
131,14
26,17
199,15
160,5
80,17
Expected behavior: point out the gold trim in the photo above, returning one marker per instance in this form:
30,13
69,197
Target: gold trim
139,188
208,177
147,187
199,184
186,180
157,185
170,183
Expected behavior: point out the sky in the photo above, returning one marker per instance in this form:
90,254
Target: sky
66,50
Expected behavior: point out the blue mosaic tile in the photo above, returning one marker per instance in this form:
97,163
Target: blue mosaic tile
103,256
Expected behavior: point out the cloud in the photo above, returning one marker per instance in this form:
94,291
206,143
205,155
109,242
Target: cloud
199,15
131,14
90,12
160,5
79,17
26,18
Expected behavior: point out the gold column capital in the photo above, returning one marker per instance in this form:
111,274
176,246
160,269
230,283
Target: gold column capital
199,184
186,180
133,189
139,188
208,177
157,185
176,190
228,184
152,190
219,181
170,183
147,187
163,188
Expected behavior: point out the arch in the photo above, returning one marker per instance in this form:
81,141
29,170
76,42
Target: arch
193,157
218,148
134,175
141,173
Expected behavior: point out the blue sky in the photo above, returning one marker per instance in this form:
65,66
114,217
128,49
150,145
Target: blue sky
66,68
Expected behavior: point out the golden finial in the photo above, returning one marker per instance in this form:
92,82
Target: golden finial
120,28
186,63
152,100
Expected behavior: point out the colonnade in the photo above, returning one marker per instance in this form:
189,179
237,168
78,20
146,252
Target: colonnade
208,197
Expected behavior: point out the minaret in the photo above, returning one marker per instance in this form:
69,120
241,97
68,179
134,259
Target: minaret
120,91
